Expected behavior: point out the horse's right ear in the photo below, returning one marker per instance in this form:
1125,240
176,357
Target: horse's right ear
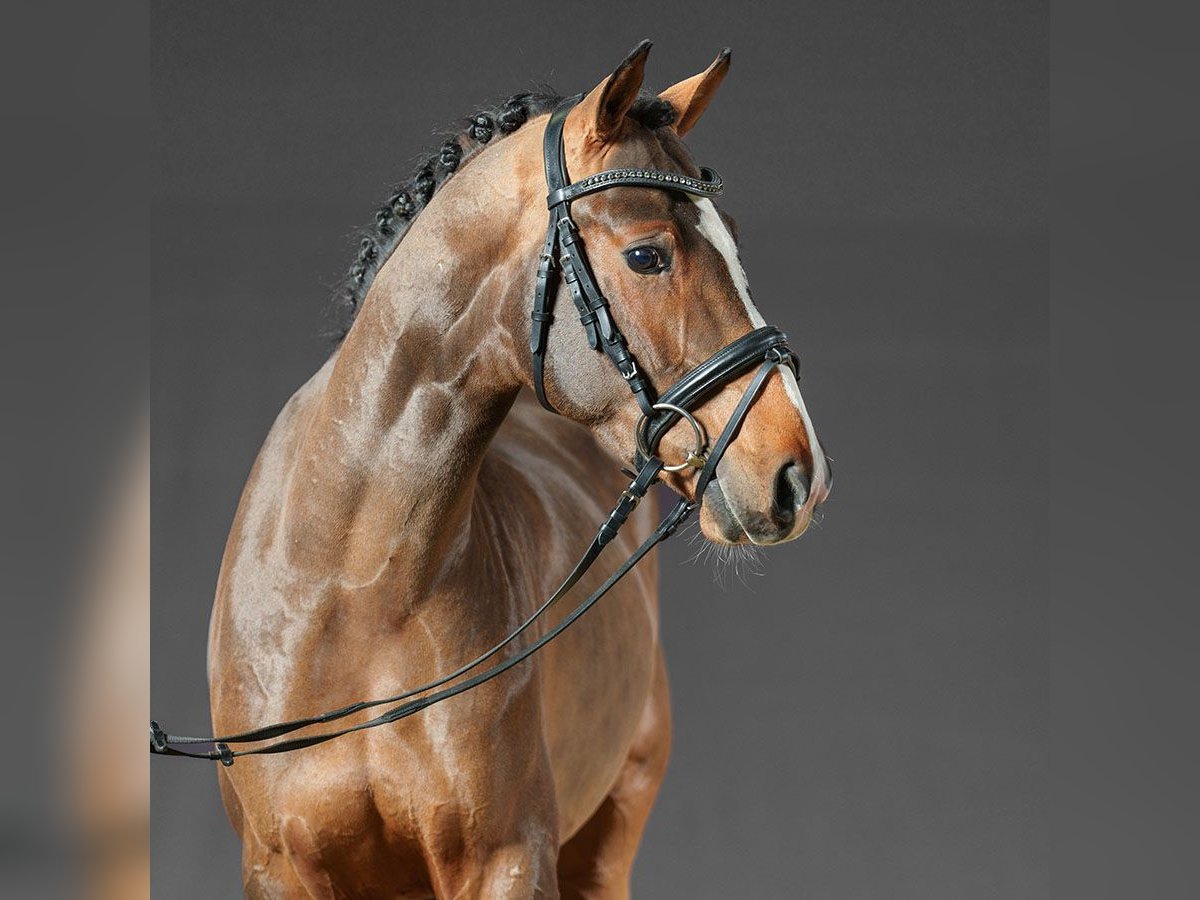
602,112
692,96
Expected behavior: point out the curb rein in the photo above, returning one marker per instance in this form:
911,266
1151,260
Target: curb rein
765,348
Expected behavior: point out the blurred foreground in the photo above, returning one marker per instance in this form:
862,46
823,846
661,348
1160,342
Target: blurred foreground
74,481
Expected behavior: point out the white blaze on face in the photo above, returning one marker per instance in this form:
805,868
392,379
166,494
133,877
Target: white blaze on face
713,227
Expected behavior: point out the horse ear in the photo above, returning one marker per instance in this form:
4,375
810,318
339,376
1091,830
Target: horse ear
603,110
691,96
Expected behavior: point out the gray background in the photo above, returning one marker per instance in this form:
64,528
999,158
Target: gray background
868,717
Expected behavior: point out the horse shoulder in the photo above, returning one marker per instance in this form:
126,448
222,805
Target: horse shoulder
597,678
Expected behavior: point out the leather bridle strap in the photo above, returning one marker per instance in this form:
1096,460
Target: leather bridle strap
701,383
733,426
408,702
222,752
765,347
608,530
564,249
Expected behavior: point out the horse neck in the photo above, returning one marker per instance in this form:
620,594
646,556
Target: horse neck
385,480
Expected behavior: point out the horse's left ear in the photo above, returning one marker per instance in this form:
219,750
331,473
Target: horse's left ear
691,97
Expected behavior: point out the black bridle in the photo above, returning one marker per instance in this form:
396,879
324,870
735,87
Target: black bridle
760,351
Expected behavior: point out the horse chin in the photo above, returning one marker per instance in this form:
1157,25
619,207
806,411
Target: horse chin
724,526
718,522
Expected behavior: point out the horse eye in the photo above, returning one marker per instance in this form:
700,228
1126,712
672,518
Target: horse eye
645,260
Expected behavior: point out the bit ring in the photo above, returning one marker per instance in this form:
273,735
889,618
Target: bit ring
695,458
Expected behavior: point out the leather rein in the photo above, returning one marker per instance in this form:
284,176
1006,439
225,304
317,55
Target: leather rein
761,350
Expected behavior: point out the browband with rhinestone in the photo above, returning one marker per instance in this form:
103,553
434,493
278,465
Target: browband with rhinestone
708,185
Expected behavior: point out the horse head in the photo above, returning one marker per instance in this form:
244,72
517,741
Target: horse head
668,262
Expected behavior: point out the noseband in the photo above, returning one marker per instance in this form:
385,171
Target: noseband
761,350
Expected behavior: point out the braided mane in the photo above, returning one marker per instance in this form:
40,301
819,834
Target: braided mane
407,199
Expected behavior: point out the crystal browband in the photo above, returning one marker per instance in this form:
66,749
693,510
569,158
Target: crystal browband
707,185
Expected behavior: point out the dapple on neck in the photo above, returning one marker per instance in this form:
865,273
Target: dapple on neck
425,376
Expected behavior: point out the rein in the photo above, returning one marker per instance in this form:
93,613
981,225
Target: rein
761,350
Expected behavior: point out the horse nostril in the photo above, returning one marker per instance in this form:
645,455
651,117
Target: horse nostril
791,492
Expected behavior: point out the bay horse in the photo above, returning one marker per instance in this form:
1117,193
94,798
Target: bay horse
411,504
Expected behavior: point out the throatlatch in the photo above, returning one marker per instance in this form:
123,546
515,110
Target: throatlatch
762,350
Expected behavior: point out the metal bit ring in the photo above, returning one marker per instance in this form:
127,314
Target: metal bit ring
696,458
